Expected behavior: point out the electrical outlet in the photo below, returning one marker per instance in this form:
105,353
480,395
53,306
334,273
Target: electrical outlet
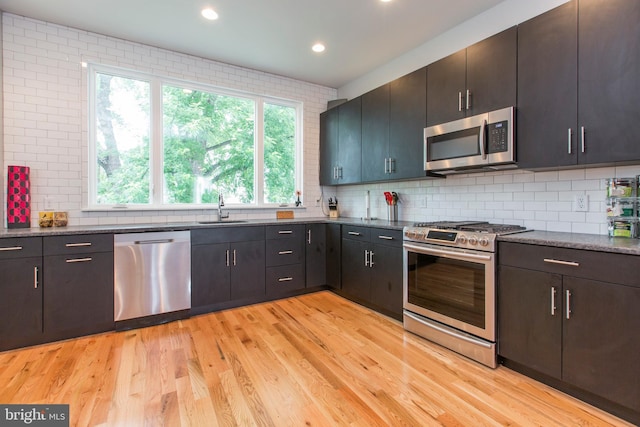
580,203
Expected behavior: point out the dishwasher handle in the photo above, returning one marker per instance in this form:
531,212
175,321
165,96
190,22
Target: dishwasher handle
153,242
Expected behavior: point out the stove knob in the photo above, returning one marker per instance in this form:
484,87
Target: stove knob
473,240
462,239
484,241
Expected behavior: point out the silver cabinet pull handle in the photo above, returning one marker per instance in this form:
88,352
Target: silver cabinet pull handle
77,245
468,99
554,291
386,170
354,233
371,254
557,261
227,257
392,165
69,261
582,142
309,236
285,252
12,248
285,279
459,101
569,133
234,257
285,232
385,237
366,258
568,308
35,277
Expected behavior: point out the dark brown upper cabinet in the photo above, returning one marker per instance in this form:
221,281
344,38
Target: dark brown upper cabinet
474,80
578,68
393,121
341,144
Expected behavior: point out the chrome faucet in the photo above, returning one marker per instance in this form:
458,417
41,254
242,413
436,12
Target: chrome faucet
220,205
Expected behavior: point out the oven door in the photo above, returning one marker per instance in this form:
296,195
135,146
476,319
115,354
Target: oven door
452,286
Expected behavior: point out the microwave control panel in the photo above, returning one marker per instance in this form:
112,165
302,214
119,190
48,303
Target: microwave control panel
498,137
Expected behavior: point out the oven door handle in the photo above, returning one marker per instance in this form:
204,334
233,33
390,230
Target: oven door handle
452,254
446,331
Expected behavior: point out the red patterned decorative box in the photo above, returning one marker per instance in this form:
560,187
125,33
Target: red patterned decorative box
18,197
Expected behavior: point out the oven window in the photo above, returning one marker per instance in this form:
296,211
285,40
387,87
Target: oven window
449,287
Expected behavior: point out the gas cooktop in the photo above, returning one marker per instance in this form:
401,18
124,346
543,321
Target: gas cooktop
475,226
478,235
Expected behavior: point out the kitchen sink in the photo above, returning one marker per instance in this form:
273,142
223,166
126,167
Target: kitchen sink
222,222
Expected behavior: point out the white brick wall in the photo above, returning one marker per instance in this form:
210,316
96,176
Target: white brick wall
45,111
541,201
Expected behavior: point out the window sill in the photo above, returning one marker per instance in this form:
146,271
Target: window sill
232,208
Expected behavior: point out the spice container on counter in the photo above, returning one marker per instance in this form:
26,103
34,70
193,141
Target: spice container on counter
623,228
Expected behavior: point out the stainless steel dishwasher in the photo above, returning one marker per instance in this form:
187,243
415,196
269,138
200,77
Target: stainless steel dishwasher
152,278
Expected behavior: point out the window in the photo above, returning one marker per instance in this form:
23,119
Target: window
157,143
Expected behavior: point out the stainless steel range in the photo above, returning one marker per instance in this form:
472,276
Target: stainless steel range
450,285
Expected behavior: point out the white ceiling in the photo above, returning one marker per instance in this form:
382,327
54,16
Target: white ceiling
273,36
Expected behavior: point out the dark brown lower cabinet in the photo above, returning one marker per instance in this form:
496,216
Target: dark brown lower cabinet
78,295
316,255
227,264
372,267
334,256
21,302
558,324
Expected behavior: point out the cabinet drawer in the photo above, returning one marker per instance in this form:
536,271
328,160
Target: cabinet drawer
78,244
284,279
226,234
386,237
285,252
602,266
285,231
355,232
20,247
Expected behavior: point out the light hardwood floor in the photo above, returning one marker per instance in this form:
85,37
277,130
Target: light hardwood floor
313,360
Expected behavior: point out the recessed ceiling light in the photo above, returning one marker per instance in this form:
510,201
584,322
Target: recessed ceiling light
385,1
209,13
318,47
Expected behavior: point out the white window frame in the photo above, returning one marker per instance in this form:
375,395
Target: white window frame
156,136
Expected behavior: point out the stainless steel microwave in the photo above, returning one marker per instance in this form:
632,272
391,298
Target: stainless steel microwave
484,142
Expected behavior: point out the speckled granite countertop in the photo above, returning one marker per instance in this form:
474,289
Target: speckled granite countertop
139,228
591,242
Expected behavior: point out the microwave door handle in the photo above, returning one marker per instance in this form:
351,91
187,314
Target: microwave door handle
483,147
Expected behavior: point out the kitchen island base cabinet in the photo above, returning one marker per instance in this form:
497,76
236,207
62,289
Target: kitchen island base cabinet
565,328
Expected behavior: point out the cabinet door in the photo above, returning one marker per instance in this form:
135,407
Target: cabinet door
375,134
247,270
210,274
329,146
446,82
407,120
350,141
547,110
316,255
492,72
601,344
356,276
334,256
608,83
78,295
21,302
528,332
386,278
